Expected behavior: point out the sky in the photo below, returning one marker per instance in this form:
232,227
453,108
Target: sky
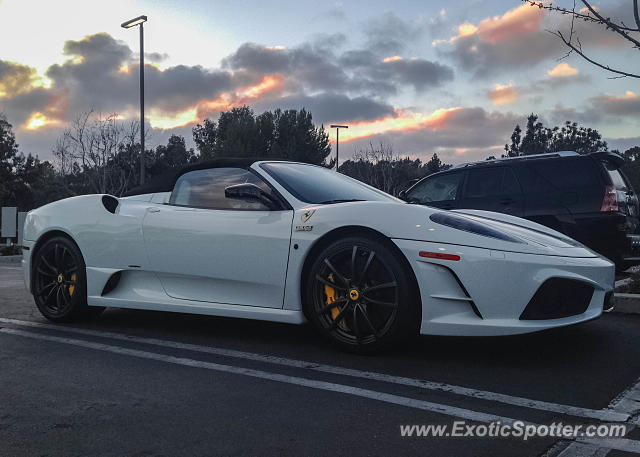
445,77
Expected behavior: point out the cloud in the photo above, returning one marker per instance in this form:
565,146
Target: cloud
562,70
332,107
503,94
311,68
627,105
16,78
518,39
419,73
456,135
388,34
559,114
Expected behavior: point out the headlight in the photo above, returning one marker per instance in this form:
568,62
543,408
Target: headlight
471,226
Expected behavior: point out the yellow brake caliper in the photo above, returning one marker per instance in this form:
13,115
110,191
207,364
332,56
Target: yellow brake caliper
72,287
330,292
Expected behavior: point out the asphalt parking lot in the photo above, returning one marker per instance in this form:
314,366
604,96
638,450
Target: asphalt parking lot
141,383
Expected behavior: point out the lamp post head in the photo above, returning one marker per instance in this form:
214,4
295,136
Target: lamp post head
133,22
336,126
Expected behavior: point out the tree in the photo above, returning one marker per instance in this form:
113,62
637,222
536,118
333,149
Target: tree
539,139
205,138
591,15
9,160
98,154
631,166
288,134
435,165
172,156
571,137
25,181
380,167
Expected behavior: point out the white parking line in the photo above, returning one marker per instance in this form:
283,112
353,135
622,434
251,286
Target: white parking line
452,411
627,402
447,410
602,415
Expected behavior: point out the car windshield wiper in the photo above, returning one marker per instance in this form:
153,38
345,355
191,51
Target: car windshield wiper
342,200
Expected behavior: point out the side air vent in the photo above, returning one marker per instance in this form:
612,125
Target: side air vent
110,203
112,283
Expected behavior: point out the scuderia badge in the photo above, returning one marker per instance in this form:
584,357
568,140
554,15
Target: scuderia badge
305,217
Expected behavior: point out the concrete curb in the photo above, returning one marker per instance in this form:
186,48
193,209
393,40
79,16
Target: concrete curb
627,303
10,258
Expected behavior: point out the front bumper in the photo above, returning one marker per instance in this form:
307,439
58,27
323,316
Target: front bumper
26,262
486,292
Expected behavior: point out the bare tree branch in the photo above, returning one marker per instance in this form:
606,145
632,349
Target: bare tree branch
612,25
578,50
582,16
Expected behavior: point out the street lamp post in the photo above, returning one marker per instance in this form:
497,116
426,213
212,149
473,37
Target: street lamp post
140,20
338,127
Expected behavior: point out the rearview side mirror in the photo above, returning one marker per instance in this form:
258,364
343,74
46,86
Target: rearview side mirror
250,192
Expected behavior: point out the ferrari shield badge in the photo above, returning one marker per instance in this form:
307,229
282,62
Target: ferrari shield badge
307,215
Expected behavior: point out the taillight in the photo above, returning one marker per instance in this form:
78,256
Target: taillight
610,200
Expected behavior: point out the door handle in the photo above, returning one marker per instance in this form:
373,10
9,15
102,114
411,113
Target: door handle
507,201
153,210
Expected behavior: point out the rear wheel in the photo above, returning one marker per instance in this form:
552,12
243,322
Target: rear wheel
59,281
361,296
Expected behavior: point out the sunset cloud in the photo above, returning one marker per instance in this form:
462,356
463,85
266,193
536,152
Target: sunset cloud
16,79
223,102
458,134
562,70
626,105
519,38
514,23
402,121
502,94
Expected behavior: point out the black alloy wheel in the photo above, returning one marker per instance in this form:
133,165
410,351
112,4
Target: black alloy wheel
361,296
59,281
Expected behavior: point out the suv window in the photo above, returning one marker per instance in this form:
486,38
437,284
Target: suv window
485,182
616,177
205,189
566,173
490,182
436,189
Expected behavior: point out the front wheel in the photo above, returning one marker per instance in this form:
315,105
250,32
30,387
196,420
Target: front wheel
361,296
59,281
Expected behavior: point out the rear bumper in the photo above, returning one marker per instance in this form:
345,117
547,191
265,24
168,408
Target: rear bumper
486,292
632,254
609,234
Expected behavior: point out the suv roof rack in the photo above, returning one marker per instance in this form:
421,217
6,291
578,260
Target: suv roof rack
527,157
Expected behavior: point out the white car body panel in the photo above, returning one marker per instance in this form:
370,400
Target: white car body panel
218,255
249,263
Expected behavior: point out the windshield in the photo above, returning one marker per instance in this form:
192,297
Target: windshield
319,185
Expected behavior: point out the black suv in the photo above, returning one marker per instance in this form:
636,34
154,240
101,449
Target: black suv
584,196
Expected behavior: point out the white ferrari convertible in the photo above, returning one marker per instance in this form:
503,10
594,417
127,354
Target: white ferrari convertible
291,242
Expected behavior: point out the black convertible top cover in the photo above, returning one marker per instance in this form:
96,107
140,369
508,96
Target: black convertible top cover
166,181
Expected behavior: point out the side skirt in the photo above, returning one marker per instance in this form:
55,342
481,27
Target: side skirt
210,309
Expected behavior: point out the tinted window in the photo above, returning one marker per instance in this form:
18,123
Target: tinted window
313,184
436,189
205,189
616,177
561,174
485,182
510,185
